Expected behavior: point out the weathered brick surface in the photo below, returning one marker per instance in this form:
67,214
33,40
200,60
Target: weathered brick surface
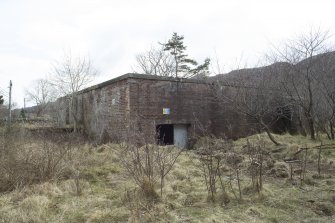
134,103
104,110
189,103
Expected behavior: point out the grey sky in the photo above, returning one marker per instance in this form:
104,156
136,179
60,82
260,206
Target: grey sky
36,33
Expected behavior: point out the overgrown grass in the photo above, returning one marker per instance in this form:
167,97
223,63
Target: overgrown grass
109,195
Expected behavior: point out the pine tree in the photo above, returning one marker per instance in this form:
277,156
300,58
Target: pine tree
1,100
184,66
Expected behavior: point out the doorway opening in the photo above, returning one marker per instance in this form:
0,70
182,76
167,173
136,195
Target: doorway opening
172,134
165,134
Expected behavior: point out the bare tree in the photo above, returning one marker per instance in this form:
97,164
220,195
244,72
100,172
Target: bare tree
257,155
71,75
325,114
155,62
325,111
41,93
234,161
212,153
301,80
148,165
252,93
171,60
166,158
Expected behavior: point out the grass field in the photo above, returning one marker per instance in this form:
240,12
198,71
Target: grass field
109,195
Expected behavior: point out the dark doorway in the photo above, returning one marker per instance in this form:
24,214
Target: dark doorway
164,134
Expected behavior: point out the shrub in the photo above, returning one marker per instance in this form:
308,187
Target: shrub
213,155
28,158
148,165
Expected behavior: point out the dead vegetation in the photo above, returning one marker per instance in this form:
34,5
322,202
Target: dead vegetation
221,181
35,157
148,165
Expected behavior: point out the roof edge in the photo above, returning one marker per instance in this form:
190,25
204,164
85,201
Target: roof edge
145,77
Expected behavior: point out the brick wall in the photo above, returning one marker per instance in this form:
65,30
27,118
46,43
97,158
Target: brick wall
132,106
104,111
189,103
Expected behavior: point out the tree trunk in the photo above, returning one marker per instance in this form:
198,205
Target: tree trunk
332,134
303,169
231,184
311,127
261,172
267,130
74,112
310,106
74,125
238,182
302,128
328,134
162,183
176,70
271,137
319,161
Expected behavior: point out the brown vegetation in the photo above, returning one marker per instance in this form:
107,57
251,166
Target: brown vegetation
59,178
29,157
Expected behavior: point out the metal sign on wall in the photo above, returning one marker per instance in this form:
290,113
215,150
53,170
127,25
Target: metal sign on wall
166,111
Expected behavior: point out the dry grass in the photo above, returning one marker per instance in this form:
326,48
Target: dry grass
109,195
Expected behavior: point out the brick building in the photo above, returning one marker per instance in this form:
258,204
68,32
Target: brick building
168,109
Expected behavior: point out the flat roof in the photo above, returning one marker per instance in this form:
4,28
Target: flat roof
144,77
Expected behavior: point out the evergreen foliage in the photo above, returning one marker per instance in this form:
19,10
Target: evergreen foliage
184,66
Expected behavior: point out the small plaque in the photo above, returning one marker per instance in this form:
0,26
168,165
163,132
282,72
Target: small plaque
166,111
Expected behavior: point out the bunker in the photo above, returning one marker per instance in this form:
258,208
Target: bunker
152,109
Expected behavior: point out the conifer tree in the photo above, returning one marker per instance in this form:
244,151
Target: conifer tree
184,66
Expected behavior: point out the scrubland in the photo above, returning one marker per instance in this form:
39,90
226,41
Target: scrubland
49,177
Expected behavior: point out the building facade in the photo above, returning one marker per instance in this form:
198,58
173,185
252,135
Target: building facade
152,109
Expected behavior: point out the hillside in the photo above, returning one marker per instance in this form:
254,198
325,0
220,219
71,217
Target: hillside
108,194
276,71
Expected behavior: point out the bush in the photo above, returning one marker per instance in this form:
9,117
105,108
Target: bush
28,158
148,165
215,155
280,170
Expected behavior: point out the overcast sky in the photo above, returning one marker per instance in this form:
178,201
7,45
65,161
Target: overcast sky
36,33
